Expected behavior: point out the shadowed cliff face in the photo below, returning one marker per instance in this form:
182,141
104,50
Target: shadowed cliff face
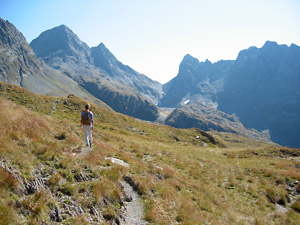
129,104
263,90
261,87
99,72
195,78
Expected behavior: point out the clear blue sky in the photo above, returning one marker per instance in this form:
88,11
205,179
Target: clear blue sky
153,36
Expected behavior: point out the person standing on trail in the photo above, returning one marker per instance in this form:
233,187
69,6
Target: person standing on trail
87,123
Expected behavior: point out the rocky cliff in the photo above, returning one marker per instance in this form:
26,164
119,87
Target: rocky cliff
20,66
99,72
263,90
261,87
194,78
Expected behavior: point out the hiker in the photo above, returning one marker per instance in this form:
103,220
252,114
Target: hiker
87,122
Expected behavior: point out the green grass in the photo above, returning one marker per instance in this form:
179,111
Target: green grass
231,180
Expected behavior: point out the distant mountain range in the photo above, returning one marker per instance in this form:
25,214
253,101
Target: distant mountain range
256,95
260,87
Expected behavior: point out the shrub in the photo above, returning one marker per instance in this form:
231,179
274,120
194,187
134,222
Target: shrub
8,180
55,180
37,203
7,214
296,205
106,189
68,189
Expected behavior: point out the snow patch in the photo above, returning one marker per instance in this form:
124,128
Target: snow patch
186,102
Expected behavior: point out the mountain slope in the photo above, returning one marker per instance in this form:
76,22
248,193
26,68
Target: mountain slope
183,176
105,60
261,87
19,65
263,91
195,78
210,119
99,72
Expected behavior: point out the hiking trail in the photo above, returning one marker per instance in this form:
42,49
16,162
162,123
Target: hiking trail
54,107
132,210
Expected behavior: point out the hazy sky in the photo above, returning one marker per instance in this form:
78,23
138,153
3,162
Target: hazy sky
153,36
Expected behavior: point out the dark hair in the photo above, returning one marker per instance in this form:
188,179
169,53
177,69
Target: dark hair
87,106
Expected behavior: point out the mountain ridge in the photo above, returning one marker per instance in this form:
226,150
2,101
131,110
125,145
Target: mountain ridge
253,87
258,81
101,74
20,66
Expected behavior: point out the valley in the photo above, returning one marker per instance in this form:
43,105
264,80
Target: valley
255,95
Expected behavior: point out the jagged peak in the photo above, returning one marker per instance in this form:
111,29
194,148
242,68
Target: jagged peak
294,45
101,48
60,40
60,30
273,44
63,26
101,45
2,21
247,52
207,62
9,34
270,43
188,59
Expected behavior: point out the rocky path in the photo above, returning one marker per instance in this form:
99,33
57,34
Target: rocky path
132,213
54,107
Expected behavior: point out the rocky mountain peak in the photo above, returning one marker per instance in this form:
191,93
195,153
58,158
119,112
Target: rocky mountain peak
9,35
270,44
17,60
61,42
188,64
103,58
188,59
293,46
246,53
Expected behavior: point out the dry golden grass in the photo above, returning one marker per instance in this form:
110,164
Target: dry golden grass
181,181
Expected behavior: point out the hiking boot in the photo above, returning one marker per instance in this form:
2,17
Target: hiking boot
91,144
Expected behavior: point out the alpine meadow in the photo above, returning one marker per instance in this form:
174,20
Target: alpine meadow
218,144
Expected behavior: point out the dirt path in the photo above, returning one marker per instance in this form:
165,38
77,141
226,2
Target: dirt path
132,213
54,107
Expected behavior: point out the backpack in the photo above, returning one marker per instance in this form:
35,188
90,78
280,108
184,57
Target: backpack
86,119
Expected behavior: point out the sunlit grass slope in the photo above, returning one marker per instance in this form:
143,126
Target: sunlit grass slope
183,176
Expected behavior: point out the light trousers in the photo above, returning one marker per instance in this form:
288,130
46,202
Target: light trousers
87,129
